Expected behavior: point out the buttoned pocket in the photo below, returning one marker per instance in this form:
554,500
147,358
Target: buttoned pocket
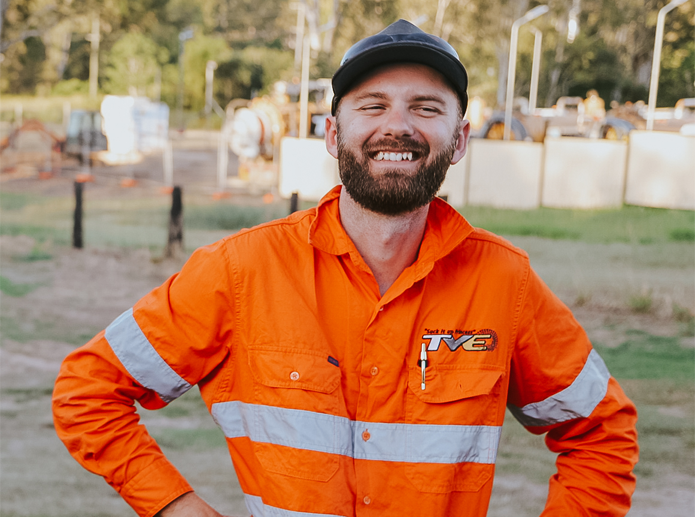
294,422
456,428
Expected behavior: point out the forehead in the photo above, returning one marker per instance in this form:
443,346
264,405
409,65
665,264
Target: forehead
403,79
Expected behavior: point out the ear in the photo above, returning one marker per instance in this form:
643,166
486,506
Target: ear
461,142
332,136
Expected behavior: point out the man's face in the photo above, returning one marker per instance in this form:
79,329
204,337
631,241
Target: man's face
395,135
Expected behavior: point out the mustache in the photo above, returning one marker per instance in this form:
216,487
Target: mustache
403,145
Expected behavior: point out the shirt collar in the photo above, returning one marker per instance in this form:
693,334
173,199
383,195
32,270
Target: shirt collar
445,229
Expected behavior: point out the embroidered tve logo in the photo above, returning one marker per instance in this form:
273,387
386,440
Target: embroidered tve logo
477,341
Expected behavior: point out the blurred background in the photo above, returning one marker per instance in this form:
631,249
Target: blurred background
133,132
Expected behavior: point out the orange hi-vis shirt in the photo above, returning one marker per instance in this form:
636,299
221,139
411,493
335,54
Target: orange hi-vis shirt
315,379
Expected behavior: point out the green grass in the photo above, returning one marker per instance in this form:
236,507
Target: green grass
645,356
10,288
44,217
632,224
13,201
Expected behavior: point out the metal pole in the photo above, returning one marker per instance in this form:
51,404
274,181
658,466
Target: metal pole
304,92
294,202
656,61
530,15
210,68
168,160
222,162
181,85
94,58
183,36
299,38
535,69
77,226
175,239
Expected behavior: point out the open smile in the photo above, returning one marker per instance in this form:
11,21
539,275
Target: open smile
390,156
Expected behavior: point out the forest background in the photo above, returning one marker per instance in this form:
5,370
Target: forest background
45,47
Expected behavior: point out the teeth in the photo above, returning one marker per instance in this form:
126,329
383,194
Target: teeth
393,157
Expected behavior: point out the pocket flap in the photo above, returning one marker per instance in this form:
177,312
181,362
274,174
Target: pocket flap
447,385
299,369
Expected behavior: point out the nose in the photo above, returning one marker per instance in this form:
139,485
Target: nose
397,122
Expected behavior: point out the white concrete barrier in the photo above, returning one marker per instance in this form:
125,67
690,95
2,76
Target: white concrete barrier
455,183
306,168
583,173
661,170
504,174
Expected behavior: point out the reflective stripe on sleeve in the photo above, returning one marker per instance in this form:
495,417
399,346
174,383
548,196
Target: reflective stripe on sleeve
142,361
414,443
578,400
257,508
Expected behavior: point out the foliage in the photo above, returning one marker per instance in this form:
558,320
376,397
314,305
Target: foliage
70,87
253,42
133,65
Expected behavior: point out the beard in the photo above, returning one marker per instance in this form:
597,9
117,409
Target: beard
393,192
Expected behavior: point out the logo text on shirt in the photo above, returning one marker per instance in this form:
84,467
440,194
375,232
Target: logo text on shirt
471,341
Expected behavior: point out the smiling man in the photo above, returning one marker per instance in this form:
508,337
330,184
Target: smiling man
359,356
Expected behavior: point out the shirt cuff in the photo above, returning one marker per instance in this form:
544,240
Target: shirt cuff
154,488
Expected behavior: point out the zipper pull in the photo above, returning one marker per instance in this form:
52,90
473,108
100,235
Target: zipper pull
423,365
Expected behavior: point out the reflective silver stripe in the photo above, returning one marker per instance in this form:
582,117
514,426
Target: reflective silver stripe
578,400
141,360
258,509
415,443
425,443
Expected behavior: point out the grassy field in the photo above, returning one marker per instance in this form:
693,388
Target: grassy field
50,217
628,275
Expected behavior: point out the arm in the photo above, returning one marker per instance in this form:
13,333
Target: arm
560,386
169,341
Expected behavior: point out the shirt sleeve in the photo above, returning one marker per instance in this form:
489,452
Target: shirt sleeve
153,353
559,385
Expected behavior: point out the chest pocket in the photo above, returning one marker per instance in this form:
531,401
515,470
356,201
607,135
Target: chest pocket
293,426
458,452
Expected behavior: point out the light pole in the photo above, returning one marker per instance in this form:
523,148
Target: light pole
656,62
535,69
210,68
311,40
530,15
183,36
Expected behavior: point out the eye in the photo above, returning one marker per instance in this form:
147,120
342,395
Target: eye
372,107
427,110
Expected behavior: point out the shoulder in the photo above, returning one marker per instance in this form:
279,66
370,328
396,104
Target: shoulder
496,244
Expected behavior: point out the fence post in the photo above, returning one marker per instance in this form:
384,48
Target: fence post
294,202
168,162
175,241
77,227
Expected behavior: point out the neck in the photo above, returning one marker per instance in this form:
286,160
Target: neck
387,243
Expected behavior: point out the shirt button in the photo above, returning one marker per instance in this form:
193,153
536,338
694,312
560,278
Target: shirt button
381,309
366,436
374,370
366,499
294,376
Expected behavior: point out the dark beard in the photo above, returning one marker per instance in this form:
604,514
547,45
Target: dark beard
393,192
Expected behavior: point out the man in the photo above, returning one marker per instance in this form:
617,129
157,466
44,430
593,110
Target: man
359,356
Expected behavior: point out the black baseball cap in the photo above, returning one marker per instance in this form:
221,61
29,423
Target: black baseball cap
400,42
